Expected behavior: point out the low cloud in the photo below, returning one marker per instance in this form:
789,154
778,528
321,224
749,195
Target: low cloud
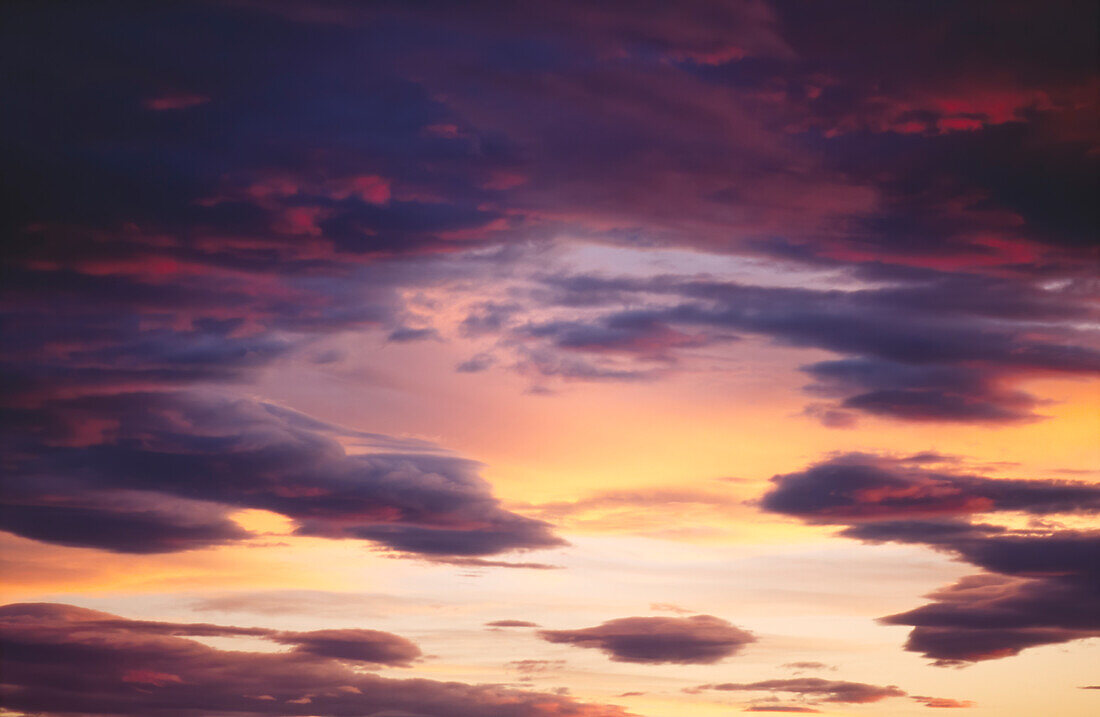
839,691
169,467
1040,585
816,691
942,702
700,639
59,659
854,488
932,346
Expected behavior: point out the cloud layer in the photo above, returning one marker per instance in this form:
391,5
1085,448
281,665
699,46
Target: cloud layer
164,470
929,347
195,223
59,659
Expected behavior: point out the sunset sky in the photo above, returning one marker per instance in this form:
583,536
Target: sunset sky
550,359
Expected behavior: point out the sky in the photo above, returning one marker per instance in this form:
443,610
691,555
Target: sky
571,359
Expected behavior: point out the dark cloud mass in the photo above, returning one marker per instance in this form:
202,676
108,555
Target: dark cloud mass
1041,584
60,660
167,469
860,487
933,347
186,213
369,646
699,639
985,617
202,194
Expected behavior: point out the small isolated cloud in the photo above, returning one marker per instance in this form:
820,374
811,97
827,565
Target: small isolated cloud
476,363
943,702
815,688
808,665
511,623
483,563
700,639
530,670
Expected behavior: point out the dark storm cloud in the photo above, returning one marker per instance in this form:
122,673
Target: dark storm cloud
165,469
60,659
1040,587
700,639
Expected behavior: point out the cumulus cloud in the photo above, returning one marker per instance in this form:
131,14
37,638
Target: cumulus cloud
699,639
59,659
